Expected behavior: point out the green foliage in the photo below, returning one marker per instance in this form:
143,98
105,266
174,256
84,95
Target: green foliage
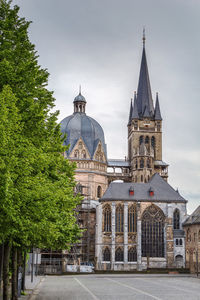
37,198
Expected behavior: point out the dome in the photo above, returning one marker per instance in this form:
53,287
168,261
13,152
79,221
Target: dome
79,98
79,125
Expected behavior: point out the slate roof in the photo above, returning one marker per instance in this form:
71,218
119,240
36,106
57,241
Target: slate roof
163,192
157,110
194,218
79,125
144,96
118,163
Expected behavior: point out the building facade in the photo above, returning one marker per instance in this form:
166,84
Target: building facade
139,220
192,242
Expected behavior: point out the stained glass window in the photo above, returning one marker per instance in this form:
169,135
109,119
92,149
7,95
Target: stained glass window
119,219
107,219
132,254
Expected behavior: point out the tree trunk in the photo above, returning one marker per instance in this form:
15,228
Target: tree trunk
7,248
14,274
24,271
1,263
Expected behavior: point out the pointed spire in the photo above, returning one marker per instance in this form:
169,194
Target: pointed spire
135,109
80,89
144,96
130,113
157,109
144,37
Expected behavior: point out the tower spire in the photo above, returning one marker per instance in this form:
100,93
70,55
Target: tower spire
144,96
143,37
80,89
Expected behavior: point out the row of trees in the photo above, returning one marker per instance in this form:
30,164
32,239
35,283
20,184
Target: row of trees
37,198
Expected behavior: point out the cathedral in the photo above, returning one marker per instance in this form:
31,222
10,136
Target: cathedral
132,217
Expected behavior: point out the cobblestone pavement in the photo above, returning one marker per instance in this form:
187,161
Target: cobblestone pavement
114,287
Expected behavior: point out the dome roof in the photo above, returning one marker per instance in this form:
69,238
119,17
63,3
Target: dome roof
80,125
79,98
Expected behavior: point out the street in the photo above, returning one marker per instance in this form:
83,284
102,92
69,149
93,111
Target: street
119,286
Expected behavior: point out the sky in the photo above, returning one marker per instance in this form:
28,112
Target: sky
98,44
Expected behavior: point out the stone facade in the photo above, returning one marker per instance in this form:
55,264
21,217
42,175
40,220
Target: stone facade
192,242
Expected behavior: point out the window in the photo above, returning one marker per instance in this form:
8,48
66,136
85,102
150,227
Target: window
119,255
188,235
141,163
146,140
132,254
106,254
83,154
176,219
177,242
153,142
153,232
148,163
76,154
99,191
180,242
136,164
132,218
141,139
119,219
141,178
199,236
107,219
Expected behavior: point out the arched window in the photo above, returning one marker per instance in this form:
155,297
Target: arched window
76,154
99,191
188,235
132,219
180,242
141,163
148,163
119,219
106,254
153,142
83,154
153,232
176,242
132,254
176,219
141,139
119,255
146,140
107,219
136,164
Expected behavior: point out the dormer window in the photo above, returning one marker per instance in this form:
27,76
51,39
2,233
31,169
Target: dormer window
151,192
131,191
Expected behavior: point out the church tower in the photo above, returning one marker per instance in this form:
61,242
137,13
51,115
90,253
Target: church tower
145,130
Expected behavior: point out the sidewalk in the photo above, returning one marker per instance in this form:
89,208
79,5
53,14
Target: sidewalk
30,286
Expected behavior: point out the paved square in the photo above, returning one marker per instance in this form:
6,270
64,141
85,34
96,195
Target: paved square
114,287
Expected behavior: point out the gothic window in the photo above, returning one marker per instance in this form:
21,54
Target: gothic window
107,219
141,139
188,235
148,163
153,232
99,191
119,219
146,140
180,242
106,254
132,219
141,178
83,154
176,219
79,188
119,255
176,242
136,164
76,154
141,163
135,125
132,254
158,126
153,142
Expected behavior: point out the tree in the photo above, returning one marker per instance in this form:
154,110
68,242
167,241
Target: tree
36,182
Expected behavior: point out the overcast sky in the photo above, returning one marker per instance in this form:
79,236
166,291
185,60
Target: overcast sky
98,44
